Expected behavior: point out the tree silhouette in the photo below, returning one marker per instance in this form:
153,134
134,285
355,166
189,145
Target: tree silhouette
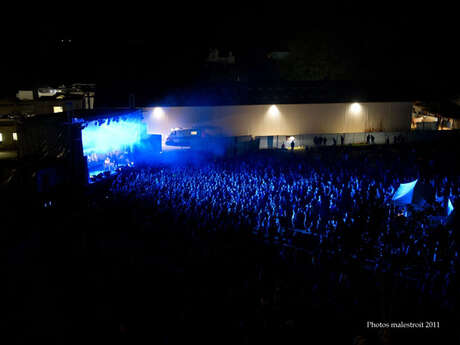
319,55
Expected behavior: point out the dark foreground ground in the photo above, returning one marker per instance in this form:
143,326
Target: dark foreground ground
75,283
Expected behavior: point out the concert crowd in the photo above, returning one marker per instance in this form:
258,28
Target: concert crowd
340,208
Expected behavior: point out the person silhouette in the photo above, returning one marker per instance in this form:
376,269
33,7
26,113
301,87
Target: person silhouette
292,145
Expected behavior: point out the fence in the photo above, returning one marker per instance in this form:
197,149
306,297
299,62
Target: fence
307,140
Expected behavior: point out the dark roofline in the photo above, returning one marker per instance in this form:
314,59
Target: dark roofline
84,115
247,93
148,94
101,113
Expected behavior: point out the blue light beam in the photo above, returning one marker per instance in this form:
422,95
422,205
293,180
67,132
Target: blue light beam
404,193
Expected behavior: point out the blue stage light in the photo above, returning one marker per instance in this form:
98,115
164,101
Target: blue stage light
112,136
403,195
111,143
450,208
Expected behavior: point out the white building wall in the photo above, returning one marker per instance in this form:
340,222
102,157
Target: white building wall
291,119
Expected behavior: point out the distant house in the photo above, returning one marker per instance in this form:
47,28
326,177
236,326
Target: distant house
47,100
215,57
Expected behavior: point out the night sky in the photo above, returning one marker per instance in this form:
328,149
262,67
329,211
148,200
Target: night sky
168,44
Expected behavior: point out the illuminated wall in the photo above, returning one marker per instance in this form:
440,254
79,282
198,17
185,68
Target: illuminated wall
285,119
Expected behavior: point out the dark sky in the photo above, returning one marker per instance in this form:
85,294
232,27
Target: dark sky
169,42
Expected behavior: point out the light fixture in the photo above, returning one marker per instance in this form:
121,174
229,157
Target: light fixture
158,112
274,111
355,108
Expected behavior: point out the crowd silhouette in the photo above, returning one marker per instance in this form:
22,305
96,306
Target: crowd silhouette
341,208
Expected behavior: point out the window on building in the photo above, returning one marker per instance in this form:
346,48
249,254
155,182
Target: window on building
58,109
15,136
1,137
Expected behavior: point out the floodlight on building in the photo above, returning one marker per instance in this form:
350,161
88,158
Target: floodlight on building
291,139
274,111
15,136
355,108
158,112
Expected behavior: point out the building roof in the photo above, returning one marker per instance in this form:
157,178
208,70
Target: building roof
237,93
444,108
